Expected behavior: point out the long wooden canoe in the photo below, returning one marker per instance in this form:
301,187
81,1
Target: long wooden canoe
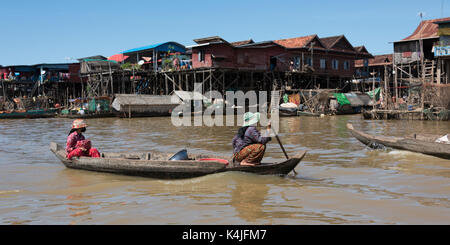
157,165
40,113
421,143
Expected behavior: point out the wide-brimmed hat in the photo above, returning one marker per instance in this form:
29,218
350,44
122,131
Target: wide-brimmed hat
251,118
79,123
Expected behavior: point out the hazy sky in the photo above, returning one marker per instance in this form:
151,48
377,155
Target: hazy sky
54,31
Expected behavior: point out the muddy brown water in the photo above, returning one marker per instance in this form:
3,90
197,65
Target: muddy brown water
340,181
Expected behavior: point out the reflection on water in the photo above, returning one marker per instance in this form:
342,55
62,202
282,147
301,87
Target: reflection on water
340,181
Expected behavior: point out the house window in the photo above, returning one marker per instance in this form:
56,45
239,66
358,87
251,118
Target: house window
201,55
308,61
335,64
366,62
323,63
346,65
296,61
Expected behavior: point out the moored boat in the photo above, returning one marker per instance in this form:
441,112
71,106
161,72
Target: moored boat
157,165
287,112
288,109
421,143
88,115
41,113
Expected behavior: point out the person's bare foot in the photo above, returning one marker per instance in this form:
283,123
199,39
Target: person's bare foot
245,163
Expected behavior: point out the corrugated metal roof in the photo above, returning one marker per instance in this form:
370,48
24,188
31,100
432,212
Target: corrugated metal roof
202,44
189,95
143,99
239,43
263,44
96,57
159,47
209,40
426,29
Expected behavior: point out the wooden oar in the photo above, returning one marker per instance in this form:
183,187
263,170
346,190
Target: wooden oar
282,147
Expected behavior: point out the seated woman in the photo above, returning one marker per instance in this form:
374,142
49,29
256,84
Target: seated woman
76,141
83,149
248,144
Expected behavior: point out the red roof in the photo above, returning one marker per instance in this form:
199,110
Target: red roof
377,60
330,41
239,43
361,49
426,29
118,57
297,42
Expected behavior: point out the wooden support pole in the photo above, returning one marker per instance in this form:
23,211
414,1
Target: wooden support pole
432,71
223,83
187,82
396,84
210,80
173,83
179,81
166,83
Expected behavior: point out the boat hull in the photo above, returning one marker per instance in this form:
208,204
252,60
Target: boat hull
29,114
157,166
87,116
420,143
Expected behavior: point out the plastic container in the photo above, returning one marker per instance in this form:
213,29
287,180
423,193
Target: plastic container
215,160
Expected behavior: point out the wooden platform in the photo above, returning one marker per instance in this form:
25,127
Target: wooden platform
392,114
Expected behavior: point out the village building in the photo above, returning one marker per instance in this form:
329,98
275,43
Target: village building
441,50
414,60
302,62
415,65
50,80
419,87
374,70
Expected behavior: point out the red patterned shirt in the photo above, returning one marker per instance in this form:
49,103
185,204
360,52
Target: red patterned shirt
72,140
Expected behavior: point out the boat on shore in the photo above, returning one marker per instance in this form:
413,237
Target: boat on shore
158,165
40,113
421,143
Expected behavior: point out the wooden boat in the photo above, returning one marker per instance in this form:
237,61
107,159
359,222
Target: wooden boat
157,165
288,112
421,143
41,113
88,115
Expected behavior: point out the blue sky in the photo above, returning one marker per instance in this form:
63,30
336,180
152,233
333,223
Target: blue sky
51,31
